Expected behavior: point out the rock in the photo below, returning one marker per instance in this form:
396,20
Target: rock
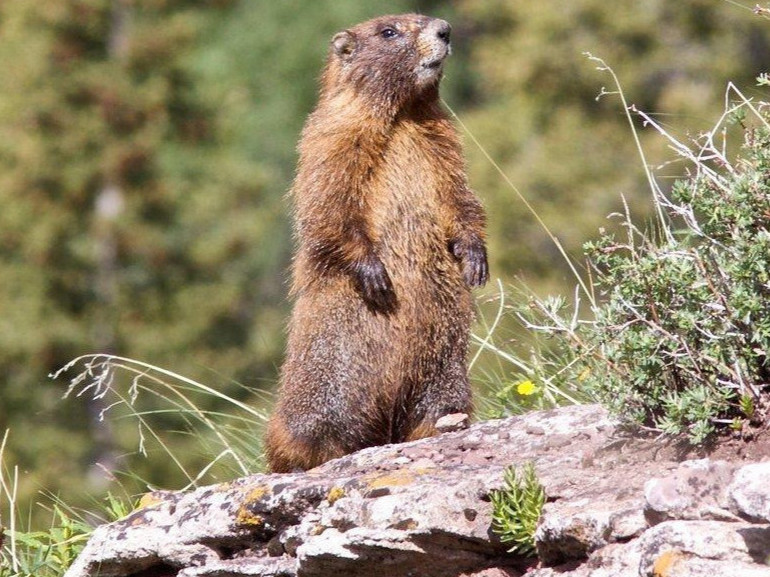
679,565
749,495
453,422
618,506
682,544
695,490
614,560
493,572
565,535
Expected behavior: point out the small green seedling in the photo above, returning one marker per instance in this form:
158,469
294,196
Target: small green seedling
516,509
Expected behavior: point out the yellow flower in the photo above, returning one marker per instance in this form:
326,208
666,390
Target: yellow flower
526,388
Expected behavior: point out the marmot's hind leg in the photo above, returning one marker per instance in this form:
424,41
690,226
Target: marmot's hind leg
444,395
287,452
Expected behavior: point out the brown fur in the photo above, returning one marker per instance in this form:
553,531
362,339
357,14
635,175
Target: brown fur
390,241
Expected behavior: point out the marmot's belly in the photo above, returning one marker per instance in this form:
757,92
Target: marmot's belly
433,299
413,246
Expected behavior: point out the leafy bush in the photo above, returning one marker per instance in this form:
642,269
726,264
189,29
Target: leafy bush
516,509
684,332
680,313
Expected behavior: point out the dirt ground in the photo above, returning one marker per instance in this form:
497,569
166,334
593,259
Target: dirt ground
751,444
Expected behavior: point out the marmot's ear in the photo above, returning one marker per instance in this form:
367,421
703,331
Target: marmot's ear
344,44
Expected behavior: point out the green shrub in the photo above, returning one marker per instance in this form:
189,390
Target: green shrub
50,551
44,553
679,313
680,341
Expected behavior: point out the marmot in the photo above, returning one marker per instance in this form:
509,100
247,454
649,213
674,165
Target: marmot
390,240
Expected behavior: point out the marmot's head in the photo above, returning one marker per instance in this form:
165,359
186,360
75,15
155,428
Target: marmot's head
390,60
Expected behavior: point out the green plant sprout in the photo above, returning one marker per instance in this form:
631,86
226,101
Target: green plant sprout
517,507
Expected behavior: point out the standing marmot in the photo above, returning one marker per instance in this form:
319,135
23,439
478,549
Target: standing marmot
389,241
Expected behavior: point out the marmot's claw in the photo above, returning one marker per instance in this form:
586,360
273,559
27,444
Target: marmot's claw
473,256
476,269
373,282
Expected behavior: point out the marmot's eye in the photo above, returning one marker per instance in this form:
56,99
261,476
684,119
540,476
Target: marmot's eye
388,33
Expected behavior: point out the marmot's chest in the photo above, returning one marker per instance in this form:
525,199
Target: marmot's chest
409,186
408,202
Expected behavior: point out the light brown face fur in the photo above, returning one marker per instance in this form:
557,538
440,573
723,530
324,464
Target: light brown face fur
389,60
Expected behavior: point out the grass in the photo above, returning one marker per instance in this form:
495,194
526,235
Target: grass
152,398
230,438
48,552
518,374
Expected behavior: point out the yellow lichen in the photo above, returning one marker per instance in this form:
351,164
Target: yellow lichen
152,498
666,562
393,479
245,516
335,493
257,493
148,500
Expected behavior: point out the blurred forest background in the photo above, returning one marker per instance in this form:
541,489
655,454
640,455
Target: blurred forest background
146,147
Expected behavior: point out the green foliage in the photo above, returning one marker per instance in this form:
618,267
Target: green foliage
678,340
516,509
686,324
134,222
50,551
44,553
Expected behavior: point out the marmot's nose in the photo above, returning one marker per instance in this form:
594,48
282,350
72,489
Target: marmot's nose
443,30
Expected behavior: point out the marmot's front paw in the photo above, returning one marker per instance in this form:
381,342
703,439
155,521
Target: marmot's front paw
374,285
472,255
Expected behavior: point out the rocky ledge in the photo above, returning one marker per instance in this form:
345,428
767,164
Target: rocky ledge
618,505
